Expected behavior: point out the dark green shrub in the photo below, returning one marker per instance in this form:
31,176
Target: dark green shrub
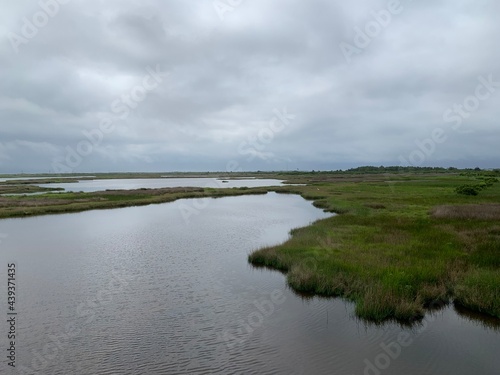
481,186
490,181
468,190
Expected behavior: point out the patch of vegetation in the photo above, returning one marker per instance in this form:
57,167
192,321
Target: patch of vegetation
468,189
479,290
23,189
401,244
486,181
403,239
44,204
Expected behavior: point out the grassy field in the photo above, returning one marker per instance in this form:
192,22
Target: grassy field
30,205
45,204
401,242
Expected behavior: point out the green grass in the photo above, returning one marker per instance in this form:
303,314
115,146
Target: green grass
479,290
401,242
389,254
23,189
45,204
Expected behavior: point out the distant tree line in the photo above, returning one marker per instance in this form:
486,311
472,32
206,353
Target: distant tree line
409,169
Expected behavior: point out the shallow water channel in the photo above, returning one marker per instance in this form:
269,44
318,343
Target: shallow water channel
88,186
167,289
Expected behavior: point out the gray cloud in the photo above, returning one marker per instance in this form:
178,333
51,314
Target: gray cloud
226,79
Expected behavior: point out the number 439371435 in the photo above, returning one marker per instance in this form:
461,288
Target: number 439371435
11,287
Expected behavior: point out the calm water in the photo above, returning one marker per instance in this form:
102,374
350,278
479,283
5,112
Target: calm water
152,183
153,290
37,178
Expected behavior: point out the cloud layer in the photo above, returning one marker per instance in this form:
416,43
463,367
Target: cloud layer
249,85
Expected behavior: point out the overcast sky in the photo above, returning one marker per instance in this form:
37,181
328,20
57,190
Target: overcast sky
178,85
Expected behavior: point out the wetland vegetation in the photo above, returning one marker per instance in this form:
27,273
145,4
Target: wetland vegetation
403,239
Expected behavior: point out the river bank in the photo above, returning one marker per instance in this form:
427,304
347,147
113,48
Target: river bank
400,243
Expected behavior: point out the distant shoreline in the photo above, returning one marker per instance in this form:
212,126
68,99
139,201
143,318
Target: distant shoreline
403,242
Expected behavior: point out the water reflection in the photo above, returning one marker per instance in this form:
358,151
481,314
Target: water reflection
146,293
88,186
477,318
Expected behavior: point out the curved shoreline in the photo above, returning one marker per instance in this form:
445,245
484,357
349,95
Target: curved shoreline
387,251
396,253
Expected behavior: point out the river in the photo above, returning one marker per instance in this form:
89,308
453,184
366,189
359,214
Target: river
153,290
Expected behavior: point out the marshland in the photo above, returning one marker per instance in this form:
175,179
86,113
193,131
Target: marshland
184,279
399,243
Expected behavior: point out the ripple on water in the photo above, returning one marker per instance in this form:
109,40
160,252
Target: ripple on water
162,296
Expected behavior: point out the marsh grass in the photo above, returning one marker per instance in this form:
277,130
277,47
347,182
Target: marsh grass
479,290
23,206
470,211
397,248
401,242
